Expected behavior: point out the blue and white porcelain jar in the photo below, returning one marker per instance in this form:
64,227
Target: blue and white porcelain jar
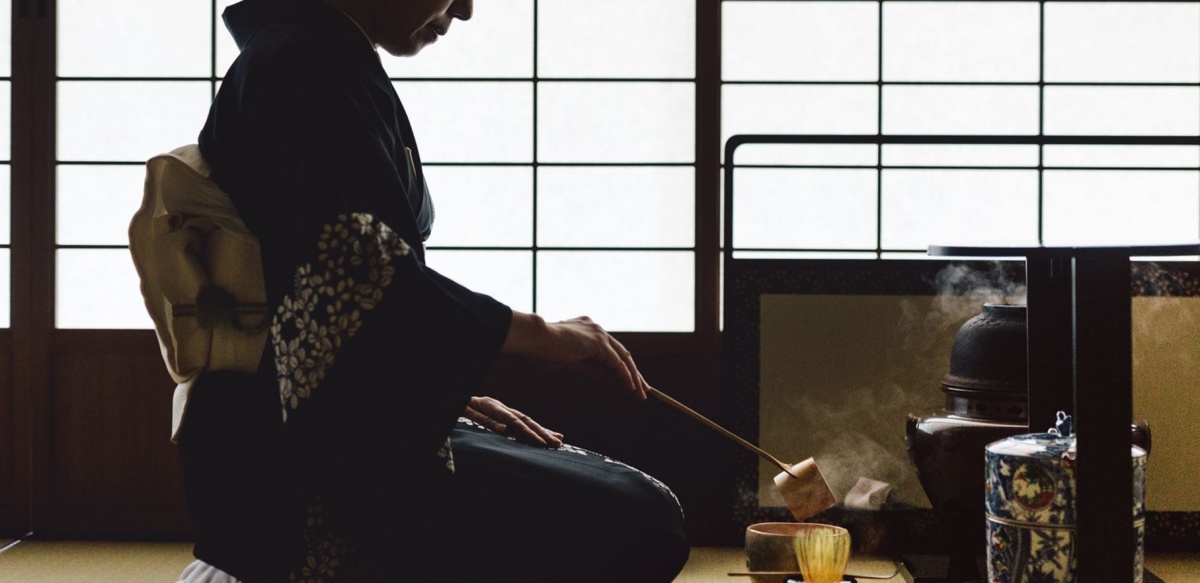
1030,497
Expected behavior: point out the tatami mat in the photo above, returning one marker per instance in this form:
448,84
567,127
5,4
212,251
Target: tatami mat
122,562
94,562
125,562
710,565
1175,568
130,562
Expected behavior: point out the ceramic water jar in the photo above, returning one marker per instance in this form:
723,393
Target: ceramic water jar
1030,500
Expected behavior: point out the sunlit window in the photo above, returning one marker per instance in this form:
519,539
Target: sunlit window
559,144
844,70
558,138
132,83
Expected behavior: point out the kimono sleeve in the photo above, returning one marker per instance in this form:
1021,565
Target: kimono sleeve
363,332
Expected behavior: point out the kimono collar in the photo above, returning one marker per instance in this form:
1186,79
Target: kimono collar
247,17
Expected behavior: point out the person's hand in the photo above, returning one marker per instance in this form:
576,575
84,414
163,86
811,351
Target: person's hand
505,420
585,344
577,342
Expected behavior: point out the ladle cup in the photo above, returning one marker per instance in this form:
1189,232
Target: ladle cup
802,486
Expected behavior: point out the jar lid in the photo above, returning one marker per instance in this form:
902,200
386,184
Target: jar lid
1056,443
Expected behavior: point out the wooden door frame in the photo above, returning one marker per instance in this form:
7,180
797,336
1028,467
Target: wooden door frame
18,344
33,255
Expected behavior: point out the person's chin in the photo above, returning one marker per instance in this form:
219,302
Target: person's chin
407,49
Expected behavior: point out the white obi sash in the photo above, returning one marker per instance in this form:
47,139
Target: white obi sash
201,274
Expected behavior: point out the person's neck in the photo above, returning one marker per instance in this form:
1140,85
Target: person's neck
354,12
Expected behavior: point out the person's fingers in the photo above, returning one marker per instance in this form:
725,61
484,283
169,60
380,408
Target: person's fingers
524,429
494,412
637,383
549,438
616,363
645,385
520,429
491,424
512,423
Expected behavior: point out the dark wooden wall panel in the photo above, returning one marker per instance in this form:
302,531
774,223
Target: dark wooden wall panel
113,473
109,432
6,431
8,475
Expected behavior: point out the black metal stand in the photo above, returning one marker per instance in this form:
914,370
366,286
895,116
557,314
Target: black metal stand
1080,360
1049,279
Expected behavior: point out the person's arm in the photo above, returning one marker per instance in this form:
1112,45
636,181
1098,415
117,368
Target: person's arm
303,160
574,341
579,342
316,151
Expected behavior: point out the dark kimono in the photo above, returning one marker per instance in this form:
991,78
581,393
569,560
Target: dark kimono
335,461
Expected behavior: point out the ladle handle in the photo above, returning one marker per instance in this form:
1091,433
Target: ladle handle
661,396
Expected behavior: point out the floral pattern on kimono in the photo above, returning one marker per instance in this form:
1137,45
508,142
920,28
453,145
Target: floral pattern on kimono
353,267
325,309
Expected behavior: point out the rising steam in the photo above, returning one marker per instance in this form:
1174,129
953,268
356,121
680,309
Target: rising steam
920,343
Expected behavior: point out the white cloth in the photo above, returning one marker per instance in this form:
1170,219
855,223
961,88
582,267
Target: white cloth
201,572
868,494
186,236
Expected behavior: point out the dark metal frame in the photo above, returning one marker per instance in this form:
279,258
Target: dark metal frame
881,140
1080,342
1070,323
1041,84
1082,291
746,280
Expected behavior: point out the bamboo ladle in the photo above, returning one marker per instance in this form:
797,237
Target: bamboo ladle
802,486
